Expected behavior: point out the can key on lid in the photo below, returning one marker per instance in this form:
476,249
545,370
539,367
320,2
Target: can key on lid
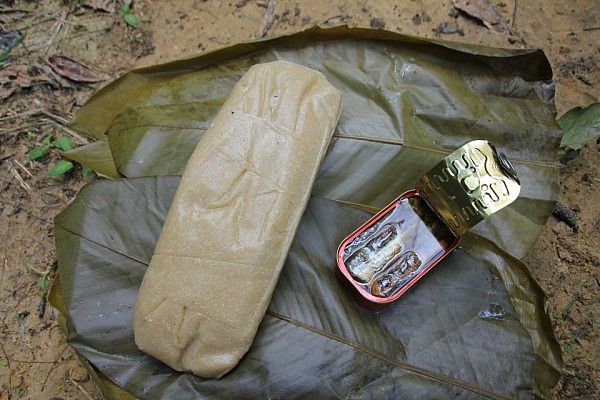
388,254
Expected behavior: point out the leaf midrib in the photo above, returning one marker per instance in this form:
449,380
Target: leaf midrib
372,139
383,357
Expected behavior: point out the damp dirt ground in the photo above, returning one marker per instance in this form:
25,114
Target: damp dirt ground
35,363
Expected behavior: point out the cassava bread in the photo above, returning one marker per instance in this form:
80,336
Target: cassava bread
233,218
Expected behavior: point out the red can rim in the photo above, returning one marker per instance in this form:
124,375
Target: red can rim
344,270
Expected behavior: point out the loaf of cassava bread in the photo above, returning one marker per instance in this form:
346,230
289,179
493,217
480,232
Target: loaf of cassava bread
233,218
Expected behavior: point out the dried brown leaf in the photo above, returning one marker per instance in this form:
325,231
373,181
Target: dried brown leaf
484,11
72,69
21,76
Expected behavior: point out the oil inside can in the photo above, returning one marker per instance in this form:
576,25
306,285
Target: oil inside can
397,247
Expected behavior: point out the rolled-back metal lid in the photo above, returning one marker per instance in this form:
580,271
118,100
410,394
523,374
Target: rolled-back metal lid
468,185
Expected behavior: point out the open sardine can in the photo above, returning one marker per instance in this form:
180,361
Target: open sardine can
393,250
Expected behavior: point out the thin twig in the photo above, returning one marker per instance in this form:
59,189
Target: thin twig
23,184
78,386
268,19
514,16
6,242
71,37
59,26
54,119
52,367
6,131
23,168
62,123
32,361
69,132
21,114
10,388
51,16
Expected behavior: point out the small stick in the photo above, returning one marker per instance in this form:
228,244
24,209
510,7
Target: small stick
23,184
85,392
52,367
268,19
6,131
10,387
70,132
23,114
6,242
70,37
31,361
62,123
57,27
36,111
23,168
54,119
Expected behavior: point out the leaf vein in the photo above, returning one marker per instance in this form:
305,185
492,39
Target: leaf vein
400,142
397,363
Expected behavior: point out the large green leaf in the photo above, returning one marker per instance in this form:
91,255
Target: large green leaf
476,327
406,104
460,333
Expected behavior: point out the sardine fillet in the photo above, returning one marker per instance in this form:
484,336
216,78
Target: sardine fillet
233,218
